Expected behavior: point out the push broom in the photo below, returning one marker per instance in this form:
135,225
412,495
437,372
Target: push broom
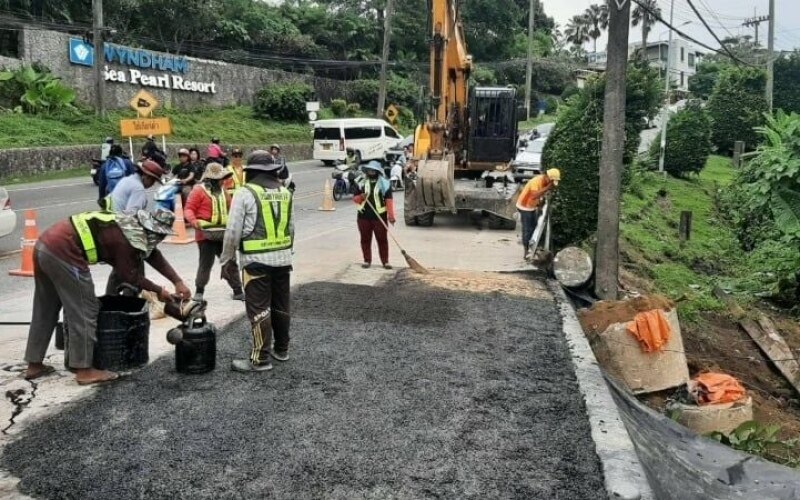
412,263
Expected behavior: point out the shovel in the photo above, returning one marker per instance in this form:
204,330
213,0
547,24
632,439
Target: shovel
412,263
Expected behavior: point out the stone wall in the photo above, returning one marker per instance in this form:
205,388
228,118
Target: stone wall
31,161
235,84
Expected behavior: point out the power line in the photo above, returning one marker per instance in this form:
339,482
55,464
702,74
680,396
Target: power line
702,19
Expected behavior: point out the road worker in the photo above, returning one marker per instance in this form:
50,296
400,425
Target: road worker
61,260
530,201
261,228
236,180
207,211
375,210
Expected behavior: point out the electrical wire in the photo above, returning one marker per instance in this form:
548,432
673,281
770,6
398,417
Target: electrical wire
702,20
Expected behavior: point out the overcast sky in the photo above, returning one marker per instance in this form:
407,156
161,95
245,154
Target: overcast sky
724,16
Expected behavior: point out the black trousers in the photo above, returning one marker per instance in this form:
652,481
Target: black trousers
267,302
208,253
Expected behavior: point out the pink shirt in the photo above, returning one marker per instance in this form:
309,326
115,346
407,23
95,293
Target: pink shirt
214,151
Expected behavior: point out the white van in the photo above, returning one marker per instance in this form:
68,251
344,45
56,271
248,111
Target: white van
369,137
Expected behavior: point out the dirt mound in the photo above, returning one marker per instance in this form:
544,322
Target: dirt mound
519,285
607,312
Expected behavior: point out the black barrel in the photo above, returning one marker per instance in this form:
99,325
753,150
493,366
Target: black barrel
196,353
123,329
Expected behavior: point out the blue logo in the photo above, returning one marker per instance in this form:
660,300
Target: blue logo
81,52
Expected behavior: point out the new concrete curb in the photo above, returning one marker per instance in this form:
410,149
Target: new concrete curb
624,475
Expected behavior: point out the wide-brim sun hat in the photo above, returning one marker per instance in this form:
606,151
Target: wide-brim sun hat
263,161
374,165
215,172
151,169
159,221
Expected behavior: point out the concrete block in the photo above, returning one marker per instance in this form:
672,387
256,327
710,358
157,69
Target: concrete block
723,417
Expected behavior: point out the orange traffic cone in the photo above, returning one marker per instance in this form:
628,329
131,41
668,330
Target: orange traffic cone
327,198
29,236
179,226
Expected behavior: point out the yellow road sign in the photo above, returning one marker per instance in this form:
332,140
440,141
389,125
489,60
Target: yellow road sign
391,113
142,127
144,103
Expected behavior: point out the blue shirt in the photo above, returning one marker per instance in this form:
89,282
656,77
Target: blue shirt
129,195
103,182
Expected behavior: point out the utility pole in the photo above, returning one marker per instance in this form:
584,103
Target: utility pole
529,69
755,21
99,57
387,37
771,54
607,257
667,81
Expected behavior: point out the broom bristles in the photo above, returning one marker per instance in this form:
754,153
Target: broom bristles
414,265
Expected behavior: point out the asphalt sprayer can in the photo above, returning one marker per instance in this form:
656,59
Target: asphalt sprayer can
195,346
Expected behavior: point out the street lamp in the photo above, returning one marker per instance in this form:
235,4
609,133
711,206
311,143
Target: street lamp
667,79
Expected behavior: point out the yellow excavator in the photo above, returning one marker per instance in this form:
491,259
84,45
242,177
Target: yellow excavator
469,138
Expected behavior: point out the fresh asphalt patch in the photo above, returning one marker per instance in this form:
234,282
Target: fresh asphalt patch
396,391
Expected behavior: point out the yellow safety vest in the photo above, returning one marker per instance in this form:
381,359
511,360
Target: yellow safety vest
272,232
238,182
377,200
219,210
81,224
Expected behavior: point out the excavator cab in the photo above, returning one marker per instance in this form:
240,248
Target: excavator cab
493,127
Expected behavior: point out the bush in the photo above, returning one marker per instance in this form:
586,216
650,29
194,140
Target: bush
688,142
399,91
576,141
406,118
353,109
570,91
736,107
286,102
787,83
34,90
339,107
551,105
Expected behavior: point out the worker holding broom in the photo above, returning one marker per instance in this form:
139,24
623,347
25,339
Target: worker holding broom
375,210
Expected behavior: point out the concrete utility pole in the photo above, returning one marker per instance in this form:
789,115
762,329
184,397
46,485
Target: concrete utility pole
99,57
529,69
607,274
667,81
771,54
387,37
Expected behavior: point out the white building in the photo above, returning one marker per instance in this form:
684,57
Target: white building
685,58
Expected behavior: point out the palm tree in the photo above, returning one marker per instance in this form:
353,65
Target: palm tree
646,19
577,31
596,20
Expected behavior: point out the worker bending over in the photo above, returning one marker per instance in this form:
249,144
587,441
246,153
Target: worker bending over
375,210
261,228
530,201
61,260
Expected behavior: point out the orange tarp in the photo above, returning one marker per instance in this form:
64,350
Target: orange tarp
715,388
651,329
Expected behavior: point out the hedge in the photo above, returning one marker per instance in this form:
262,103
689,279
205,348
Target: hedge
736,106
285,102
688,142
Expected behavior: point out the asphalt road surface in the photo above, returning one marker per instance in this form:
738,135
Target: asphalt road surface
394,391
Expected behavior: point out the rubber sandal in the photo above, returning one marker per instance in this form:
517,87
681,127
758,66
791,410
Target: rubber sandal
103,381
46,370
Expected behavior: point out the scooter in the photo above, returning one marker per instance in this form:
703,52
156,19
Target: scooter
345,181
94,172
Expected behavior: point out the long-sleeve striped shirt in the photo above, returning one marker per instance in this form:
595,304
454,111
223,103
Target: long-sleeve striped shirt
242,222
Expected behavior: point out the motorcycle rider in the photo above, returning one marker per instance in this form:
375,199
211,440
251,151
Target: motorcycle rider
116,167
236,180
284,174
151,151
186,173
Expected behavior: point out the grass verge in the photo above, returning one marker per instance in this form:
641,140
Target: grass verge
50,175
233,125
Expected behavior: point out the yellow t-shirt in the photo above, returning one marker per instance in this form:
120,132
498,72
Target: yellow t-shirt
527,200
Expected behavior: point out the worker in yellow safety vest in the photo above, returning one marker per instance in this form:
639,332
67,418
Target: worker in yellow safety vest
236,180
261,228
207,211
61,260
375,212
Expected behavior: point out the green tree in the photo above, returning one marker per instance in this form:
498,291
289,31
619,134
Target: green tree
574,147
787,83
688,141
642,17
577,31
736,107
597,21
701,84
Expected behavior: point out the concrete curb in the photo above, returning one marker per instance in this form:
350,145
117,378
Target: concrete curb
624,476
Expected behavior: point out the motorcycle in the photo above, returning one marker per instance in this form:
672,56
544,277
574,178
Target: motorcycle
345,181
165,196
94,172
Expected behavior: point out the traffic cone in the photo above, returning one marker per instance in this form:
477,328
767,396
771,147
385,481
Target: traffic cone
179,226
327,198
29,236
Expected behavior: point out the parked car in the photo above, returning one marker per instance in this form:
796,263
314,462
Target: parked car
369,137
8,218
528,161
